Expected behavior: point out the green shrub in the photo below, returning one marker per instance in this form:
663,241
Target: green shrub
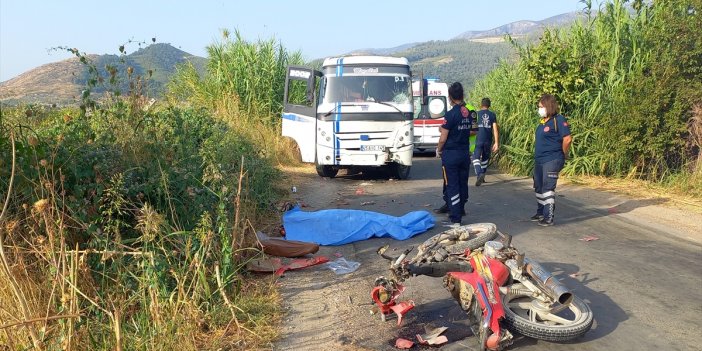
628,82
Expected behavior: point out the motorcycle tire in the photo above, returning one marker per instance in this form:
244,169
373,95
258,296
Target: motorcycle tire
488,231
435,249
556,333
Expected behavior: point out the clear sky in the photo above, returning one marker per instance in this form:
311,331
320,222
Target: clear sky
29,28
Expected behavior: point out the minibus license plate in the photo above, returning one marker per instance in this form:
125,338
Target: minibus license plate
372,147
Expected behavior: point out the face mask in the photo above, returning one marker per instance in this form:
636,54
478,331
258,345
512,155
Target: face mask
542,112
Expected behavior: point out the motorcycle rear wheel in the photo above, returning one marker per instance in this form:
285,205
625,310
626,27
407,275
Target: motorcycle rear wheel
524,316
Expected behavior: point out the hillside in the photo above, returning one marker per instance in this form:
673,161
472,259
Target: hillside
456,60
61,82
53,82
521,29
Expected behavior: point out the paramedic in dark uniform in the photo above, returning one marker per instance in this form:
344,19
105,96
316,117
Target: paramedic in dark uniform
486,141
454,150
474,129
551,149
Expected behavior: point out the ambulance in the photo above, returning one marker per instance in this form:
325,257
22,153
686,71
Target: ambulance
429,113
430,116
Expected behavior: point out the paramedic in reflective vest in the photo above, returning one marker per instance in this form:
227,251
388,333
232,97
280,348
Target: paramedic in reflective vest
454,150
551,149
487,140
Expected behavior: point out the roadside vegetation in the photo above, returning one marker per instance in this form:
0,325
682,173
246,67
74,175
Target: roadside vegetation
629,80
127,223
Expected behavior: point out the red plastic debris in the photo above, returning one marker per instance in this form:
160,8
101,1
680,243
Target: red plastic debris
401,308
275,264
401,343
589,238
301,263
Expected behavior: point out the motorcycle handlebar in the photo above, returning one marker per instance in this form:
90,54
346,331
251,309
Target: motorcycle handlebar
395,260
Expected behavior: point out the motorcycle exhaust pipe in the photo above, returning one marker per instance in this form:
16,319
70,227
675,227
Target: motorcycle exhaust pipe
548,282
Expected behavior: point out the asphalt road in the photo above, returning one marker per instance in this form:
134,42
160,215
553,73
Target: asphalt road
642,277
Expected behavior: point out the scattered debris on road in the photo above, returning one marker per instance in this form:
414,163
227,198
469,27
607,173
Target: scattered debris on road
433,336
343,266
401,343
275,264
589,238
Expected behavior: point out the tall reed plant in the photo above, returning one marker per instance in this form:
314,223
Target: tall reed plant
629,102
243,85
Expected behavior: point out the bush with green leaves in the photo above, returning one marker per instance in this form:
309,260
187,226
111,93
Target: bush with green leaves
159,202
627,80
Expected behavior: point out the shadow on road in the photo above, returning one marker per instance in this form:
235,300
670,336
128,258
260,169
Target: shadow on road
626,206
607,314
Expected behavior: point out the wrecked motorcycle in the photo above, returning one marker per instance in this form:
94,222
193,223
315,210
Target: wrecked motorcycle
501,290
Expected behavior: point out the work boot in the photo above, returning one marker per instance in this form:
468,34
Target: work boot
480,180
545,222
442,209
463,213
536,218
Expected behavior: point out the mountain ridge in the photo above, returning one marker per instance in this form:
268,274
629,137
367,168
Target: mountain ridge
524,27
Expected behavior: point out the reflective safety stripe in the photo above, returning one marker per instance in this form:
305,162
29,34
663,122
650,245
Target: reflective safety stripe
456,202
455,197
546,194
547,201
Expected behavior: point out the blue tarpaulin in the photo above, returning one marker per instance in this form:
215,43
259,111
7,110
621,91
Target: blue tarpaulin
338,227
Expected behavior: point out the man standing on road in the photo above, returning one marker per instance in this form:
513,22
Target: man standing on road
454,150
487,140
